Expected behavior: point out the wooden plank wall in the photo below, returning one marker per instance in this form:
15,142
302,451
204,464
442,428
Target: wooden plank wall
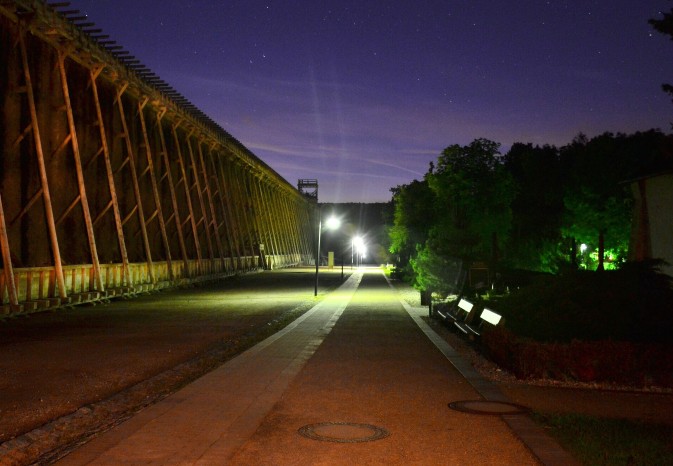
112,183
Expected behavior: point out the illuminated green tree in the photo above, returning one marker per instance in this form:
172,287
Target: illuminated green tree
413,217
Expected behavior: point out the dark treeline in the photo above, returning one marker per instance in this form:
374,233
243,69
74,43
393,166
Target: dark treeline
538,208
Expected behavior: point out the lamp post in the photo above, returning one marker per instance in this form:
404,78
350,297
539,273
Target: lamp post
332,223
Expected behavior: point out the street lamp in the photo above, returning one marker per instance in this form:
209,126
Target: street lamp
332,223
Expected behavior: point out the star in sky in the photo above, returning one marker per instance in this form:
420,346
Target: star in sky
363,95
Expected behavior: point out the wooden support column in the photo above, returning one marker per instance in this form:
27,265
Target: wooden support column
290,224
214,162
155,189
307,232
262,218
294,218
272,217
301,206
136,185
240,208
7,260
281,218
174,199
293,207
285,216
199,192
74,142
273,194
211,204
44,182
181,165
225,190
246,190
110,177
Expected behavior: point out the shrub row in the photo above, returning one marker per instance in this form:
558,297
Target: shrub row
619,362
631,304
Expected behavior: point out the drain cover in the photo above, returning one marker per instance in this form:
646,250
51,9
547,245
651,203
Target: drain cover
488,407
343,432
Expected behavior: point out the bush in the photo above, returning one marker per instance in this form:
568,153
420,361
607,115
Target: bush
620,362
631,304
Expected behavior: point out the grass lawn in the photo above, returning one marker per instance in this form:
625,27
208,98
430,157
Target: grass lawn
597,441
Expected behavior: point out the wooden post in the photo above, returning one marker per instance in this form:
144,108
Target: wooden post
261,217
46,196
225,197
7,260
199,195
285,216
290,225
174,200
211,204
181,165
307,229
136,185
273,219
155,189
74,142
246,193
235,192
110,177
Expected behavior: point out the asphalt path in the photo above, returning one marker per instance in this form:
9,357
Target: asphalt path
355,380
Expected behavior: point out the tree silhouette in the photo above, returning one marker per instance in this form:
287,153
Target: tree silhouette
665,26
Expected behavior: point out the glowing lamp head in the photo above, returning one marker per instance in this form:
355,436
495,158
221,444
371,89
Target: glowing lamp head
332,223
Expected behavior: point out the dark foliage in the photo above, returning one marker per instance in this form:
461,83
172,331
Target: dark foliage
634,303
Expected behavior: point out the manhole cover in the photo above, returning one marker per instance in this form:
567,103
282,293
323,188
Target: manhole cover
343,432
488,407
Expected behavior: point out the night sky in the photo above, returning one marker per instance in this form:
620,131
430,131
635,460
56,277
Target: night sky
363,94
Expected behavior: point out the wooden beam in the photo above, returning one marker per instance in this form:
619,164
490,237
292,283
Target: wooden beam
72,136
44,181
8,270
126,273
136,185
155,190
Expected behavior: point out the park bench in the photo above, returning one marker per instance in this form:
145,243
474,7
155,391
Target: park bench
487,317
456,313
461,315
446,309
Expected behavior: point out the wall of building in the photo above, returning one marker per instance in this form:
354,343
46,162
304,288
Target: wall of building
652,232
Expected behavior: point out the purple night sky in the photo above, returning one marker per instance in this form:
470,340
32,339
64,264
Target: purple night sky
363,94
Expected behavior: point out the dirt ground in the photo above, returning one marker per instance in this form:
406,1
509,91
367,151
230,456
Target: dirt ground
53,363
90,367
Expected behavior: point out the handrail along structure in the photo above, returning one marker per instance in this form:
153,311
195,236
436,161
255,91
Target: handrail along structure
112,182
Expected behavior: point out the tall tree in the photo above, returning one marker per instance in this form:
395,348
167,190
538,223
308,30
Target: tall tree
413,217
474,193
537,208
472,213
665,26
597,199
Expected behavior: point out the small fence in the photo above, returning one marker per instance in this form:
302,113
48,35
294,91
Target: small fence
36,287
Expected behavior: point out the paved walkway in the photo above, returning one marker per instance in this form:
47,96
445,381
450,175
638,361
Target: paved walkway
358,357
